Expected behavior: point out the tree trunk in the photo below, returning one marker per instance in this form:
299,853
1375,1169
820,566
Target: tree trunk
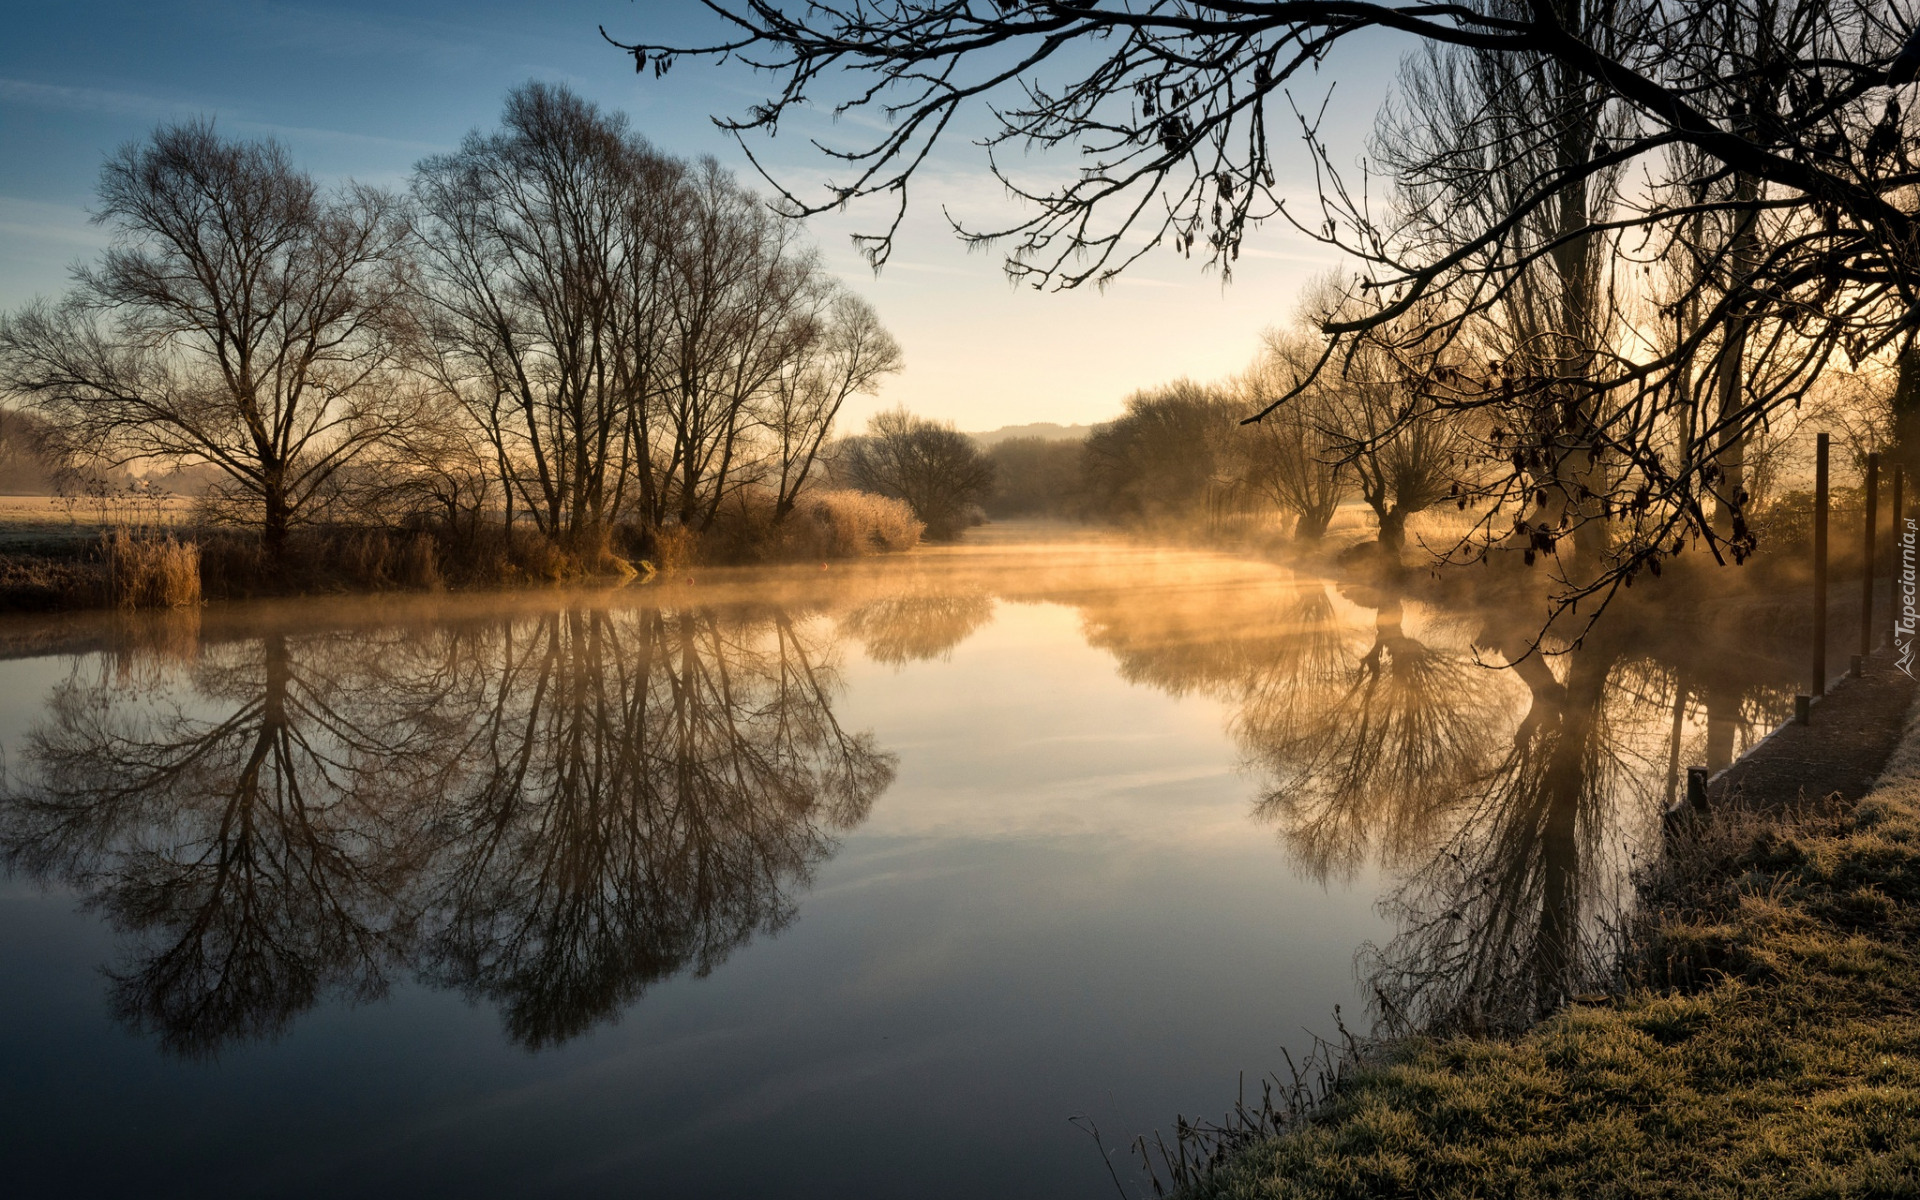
1393,528
1731,455
1906,414
273,531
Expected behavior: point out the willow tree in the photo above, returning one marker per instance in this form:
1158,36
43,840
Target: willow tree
1470,133
1288,457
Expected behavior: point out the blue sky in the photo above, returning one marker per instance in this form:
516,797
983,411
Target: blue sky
363,90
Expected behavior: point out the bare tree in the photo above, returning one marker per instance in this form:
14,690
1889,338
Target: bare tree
1401,466
1404,448
437,472
242,319
638,338
542,252
737,311
1472,132
841,352
932,466
1288,457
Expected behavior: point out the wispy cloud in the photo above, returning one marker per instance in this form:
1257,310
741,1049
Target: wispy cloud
64,98
85,99
42,223
310,29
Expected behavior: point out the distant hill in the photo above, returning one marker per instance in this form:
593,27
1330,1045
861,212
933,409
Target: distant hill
1046,431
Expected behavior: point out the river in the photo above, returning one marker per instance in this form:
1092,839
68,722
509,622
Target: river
880,879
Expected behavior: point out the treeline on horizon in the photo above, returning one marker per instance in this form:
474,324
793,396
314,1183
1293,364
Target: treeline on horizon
557,353
1181,458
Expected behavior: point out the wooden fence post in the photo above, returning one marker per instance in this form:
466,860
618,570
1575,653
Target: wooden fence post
1819,567
1866,558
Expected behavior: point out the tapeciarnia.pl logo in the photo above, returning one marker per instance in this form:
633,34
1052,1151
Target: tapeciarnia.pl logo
1904,620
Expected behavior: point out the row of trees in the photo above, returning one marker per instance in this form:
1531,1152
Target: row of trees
556,325
1181,454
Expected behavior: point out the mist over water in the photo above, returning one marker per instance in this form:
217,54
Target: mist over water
796,882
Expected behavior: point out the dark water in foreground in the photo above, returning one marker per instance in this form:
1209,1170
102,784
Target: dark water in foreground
857,882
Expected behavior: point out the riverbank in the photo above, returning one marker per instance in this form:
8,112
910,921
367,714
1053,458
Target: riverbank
49,566
1764,1037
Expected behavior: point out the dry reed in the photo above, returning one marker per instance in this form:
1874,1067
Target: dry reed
150,572
847,524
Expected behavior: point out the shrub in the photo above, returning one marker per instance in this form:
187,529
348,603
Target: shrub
823,524
1166,458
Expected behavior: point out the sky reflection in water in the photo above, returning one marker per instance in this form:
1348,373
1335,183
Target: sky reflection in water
854,882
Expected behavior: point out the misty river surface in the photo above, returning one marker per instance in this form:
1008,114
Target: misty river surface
857,881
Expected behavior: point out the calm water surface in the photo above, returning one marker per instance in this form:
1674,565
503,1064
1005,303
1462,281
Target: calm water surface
848,882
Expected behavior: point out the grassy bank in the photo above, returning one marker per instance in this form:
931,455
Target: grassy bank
47,567
1765,1039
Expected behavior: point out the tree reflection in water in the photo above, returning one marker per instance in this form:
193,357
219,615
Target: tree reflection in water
1364,738
916,626
650,787
552,813
1509,801
1510,915
1496,925
242,848
1366,754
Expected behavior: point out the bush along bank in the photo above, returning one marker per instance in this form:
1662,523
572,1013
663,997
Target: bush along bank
1766,1041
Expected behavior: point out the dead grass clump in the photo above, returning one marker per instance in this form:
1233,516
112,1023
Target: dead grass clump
824,524
150,572
848,524
673,549
536,558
